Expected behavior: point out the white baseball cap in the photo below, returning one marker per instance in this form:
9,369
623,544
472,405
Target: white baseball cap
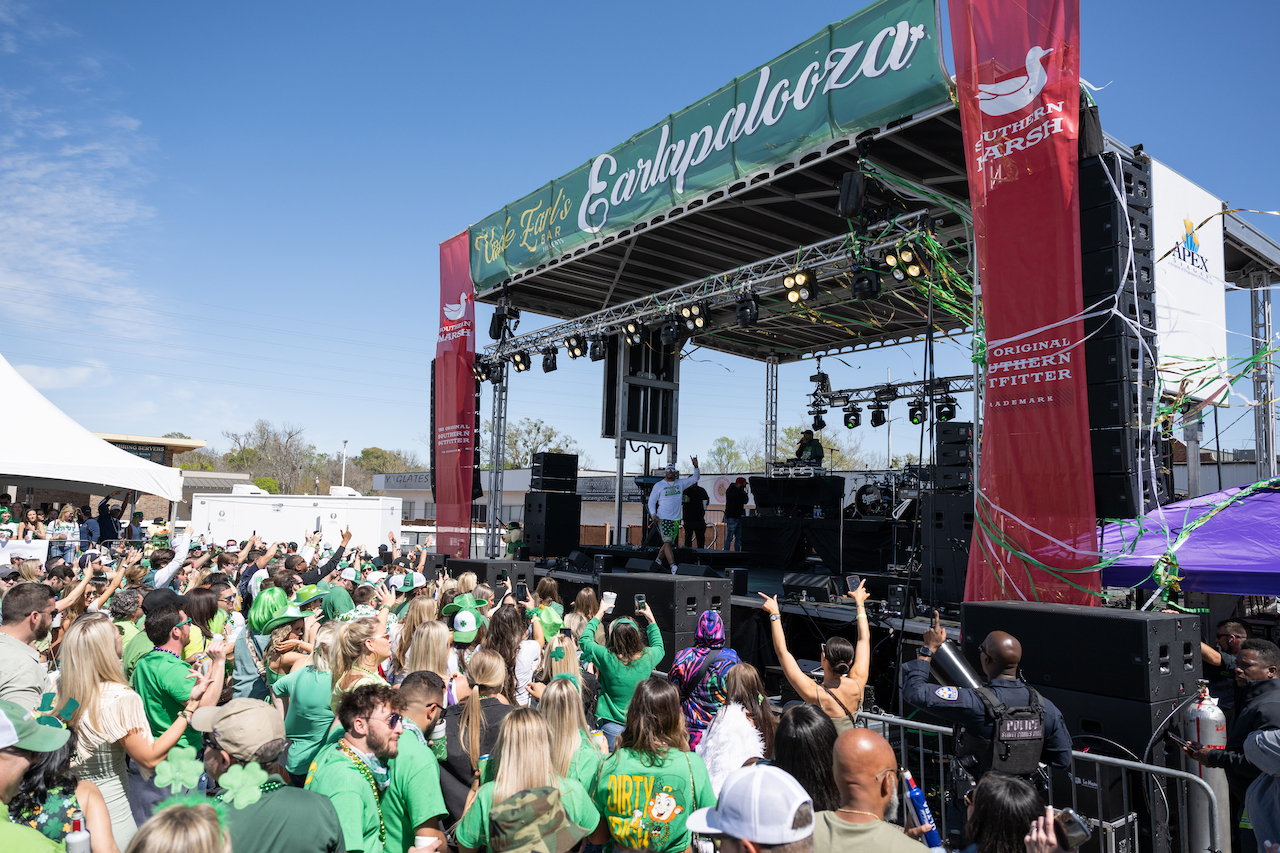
757,804
395,581
419,580
348,574
375,578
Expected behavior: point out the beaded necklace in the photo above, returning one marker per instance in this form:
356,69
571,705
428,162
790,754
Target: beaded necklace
265,787
368,775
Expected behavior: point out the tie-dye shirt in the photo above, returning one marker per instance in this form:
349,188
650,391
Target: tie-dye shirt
707,697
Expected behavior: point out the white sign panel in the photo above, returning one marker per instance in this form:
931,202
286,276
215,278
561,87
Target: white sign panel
1191,308
36,549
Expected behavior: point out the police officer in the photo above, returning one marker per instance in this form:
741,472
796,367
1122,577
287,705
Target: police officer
1000,654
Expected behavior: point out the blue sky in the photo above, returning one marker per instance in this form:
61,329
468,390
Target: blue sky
211,213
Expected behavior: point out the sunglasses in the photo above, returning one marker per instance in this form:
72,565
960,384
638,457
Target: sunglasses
391,721
1225,636
186,621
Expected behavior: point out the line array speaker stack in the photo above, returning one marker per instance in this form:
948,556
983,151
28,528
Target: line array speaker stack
676,601
554,472
1119,362
947,514
1114,674
552,523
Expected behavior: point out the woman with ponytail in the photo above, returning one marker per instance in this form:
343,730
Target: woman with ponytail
742,730
359,648
844,668
623,662
471,728
573,755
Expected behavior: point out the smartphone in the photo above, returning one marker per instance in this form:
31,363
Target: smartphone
522,591
639,602
502,575
1185,744
609,599
853,581
1070,829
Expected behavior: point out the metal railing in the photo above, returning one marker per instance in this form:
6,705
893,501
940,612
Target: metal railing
1099,787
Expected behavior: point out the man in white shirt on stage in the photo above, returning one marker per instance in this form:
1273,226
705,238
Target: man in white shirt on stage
665,505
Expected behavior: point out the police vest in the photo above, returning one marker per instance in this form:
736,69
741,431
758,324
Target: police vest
1017,737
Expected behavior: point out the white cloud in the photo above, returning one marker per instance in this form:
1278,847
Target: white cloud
43,377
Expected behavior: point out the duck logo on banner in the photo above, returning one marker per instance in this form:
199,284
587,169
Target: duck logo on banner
1015,93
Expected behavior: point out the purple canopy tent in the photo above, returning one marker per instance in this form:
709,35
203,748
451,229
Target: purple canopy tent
1226,542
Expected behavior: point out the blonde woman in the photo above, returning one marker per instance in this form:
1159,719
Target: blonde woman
359,649
63,534
573,755
306,692
467,581
429,650
421,610
526,743
31,571
110,721
560,657
471,728
191,829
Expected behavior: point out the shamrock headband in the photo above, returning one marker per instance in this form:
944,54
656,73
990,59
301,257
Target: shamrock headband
568,676
625,620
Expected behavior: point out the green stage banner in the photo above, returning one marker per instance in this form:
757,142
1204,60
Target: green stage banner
875,67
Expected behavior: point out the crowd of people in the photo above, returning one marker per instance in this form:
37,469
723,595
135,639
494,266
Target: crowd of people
251,696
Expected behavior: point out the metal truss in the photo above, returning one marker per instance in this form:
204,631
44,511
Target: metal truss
886,392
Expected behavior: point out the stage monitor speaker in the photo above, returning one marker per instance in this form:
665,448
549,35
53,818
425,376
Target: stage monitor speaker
579,561
1107,651
693,570
677,602
947,534
602,563
555,466
809,587
491,572
637,565
953,432
552,523
738,581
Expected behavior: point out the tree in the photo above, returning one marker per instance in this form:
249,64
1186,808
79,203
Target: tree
724,457
267,484
176,435
375,460
280,453
525,438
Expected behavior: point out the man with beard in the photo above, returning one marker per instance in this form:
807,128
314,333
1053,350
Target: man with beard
866,772
25,618
353,773
665,503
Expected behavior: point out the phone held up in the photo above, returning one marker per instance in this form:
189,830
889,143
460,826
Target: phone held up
1070,829
640,602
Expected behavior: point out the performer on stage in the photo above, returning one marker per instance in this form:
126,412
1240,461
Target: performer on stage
810,449
665,502
695,516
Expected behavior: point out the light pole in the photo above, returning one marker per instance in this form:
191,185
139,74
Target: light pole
344,462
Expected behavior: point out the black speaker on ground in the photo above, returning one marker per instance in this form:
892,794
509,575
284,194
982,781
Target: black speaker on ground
492,572
738,581
947,531
1126,654
677,602
552,523
1119,359
1128,722
810,587
602,563
638,565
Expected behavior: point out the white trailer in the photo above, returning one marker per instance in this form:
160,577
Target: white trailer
290,518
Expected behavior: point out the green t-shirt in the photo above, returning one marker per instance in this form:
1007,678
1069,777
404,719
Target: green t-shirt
618,680
24,838
160,678
309,716
134,648
128,631
334,774
413,797
337,602
586,762
473,830
646,805
285,820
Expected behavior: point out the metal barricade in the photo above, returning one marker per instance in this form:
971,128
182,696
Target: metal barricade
1099,787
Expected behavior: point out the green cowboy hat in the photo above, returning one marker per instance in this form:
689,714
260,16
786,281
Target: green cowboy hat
466,601
283,617
307,594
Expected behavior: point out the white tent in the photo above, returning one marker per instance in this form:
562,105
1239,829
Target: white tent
42,448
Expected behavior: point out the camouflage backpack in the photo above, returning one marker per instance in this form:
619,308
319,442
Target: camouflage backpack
533,821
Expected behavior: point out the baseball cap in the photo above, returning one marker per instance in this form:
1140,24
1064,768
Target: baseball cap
19,728
158,599
672,468
348,574
375,578
395,582
741,481
90,556
757,804
533,821
137,514
241,727
465,625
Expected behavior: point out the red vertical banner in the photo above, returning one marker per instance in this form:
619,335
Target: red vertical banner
1018,79
455,402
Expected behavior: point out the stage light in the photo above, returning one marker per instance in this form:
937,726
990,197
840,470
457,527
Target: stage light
520,361
695,316
818,423
906,255
865,284
748,311
670,333
597,351
821,382
886,394
918,413
898,274
480,369
838,400
853,417
879,416
632,332
890,260
576,346
548,359
801,286
498,322
945,410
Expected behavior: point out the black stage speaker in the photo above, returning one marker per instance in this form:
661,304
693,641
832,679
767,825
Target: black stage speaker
569,584
810,587
947,533
676,602
953,457
1126,654
738,581
1128,722
552,522
491,571
556,466
798,495
434,563
953,432
637,565
602,563
553,484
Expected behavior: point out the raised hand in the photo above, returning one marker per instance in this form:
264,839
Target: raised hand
860,595
770,604
935,635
